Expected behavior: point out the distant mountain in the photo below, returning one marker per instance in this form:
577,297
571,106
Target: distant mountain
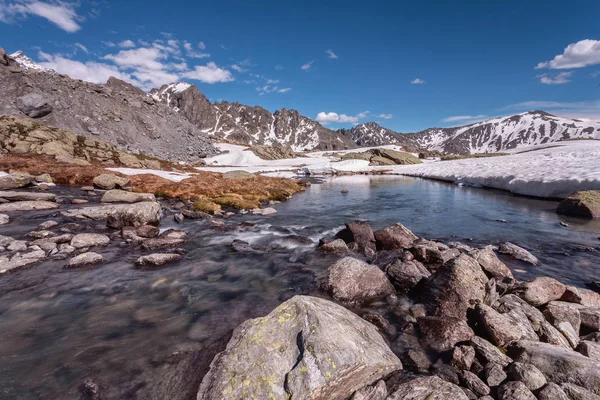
372,134
249,125
505,133
116,112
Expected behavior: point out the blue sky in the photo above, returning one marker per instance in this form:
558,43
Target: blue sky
409,65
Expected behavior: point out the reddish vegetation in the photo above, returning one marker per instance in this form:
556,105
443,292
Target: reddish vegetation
209,189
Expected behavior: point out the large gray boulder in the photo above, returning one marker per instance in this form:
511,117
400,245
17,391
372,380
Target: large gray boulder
394,237
540,291
110,181
359,232
455,287
34,105
491,264
16,180
353,281
406,274
307,348
558,364
498,328
427,388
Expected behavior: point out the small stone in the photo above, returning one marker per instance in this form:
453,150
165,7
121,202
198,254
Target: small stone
4,219
83,240
79,201
156,260
48,225
84,260
40,234
178,218
264,211
147,231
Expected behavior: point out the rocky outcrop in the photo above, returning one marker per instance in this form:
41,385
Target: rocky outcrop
111,181
120,215
584,204
383,157
359,234
307,348
272,152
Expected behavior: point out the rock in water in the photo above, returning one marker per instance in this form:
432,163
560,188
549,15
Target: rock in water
354,281
82,240
27,196
84,260
27,206
145,213
519,253
307,348
394,237
157,259
34,105
15,180
123,196
360,233
428,388
585,204
491,264
110,181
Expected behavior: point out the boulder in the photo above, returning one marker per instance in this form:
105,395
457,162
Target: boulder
264,211
416,360
489,352
590,318
463,357
404,275
28,206
518,253
334,246
454,288
161,243
84,260
515,390
15,180
585,204
566,329
83,240
578,393
549,334
520,320
48,225
560,311
474,384
528,374
307,348
374,392
123,196
353,281
394,237
581,296
443,333
145,213
511,302
589,349
493,374
427,388
552,392
360,233
147,231
157,260
27,196
111,181
498,328
398,157
34,105
540,291
558,364
491,264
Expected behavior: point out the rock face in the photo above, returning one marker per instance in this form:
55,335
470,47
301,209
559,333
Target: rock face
116,113
352,281
307,348
584,204
427,388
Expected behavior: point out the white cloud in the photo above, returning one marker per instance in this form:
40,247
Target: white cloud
386,116
417,81
272,81
237,68
90,71
109,44
332,117
576,55
279,67
190,52
284,90
209,73
331,54
307,66
557,79
60,13
127,44
465,118
81,47
147,57
201,46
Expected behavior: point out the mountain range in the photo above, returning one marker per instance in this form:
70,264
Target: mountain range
177,121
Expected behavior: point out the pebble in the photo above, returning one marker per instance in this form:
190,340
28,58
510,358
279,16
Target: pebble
79,201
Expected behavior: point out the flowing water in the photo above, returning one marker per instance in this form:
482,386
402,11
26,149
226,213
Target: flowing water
119,325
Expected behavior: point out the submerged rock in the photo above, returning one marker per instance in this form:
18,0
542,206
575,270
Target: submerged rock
307,348
84,260
585,204
519,253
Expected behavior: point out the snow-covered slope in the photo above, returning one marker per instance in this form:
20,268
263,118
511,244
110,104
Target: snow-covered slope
28,64
244,124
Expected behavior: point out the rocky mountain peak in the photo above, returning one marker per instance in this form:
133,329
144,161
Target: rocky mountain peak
27,63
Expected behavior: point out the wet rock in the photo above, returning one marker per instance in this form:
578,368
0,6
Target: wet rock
147,231
489,352
66,249
558,364
584,204
195,214
518,253
17,245
334,246
405,275
443,333
161,242
463,357
34,105
589,349
4,219
110,181
578,393
83,240
295,345
540,291
532,377
560,311
40,234
416,361
20,262
491,264
84,260
26,196
497,327
493,374
157,260
359,232
581,296
514,390
146,213
374,392
454,288
178,218
264,211
473,383
123,196
48,225
27,206
47,245
353,281
241,246
5,240
552,392
427,388
394,237
79,201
